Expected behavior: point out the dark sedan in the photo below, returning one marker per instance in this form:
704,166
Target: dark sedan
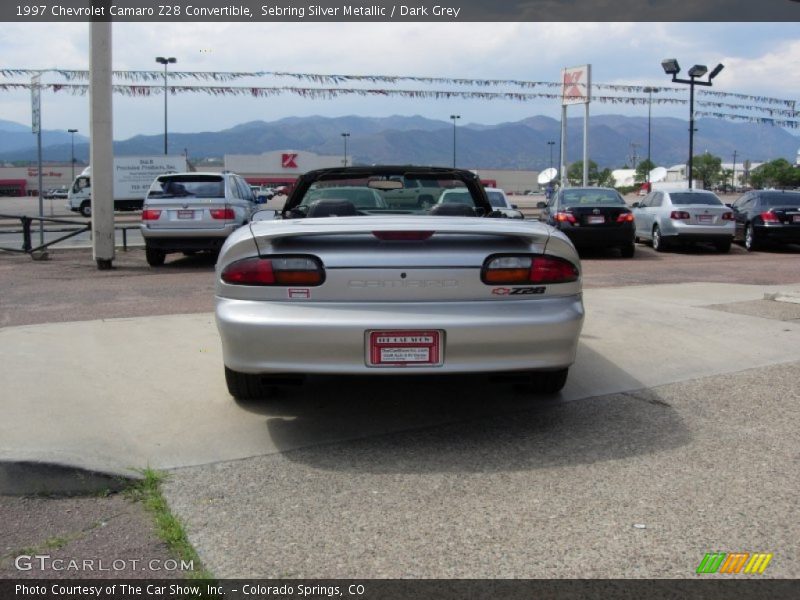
592,217
767,216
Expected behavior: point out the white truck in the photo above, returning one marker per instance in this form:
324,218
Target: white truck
132,178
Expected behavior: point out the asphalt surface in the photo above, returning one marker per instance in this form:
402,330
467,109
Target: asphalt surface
475,481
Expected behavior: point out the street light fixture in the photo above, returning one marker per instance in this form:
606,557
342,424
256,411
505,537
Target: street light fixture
72,133
551,144
165,61
344,137
455,118
671,67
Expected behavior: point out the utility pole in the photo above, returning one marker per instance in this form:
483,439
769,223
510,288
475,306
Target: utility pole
733,175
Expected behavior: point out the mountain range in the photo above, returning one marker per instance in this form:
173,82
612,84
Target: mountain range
613,141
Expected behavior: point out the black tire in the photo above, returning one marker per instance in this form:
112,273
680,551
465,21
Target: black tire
659,245
723,246
628,250
244,386
548,382
155,256
750,241
86,208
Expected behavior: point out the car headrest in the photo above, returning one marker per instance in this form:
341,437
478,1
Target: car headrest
453,210
331,207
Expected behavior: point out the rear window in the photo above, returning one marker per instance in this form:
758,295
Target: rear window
496,199
583,197
683,199
197,186
773,200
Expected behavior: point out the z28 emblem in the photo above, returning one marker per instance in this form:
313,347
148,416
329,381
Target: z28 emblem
518,291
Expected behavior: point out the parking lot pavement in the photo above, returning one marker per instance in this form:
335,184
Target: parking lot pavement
121,394
631,485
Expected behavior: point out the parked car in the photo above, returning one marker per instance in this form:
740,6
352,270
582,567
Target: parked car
767,216
54,193
324,286
497,199
592,217
191,212
683,216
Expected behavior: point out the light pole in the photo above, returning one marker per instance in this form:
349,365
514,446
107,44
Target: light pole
165,61
455,118
551,144
344,137
72,133
733,175
671,67
649,91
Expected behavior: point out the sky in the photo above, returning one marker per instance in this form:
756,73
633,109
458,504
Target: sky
761,59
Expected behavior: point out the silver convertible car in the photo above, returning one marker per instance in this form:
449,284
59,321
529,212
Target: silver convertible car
336,284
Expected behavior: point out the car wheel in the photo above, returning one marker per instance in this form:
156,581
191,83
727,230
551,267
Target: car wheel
750,242
549,382
86,208
628,250
658,242
723,247
245,386
155,256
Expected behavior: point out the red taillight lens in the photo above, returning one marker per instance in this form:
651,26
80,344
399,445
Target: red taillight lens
565,217
149,214
625,218
222,213
283,270
403,236
507,270
728,216
769,217
679,215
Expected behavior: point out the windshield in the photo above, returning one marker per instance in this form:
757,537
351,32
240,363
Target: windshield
773,200
685,198
497,199
208,186
590,197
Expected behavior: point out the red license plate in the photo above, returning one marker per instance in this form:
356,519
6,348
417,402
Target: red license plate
404,348
186,214
595,220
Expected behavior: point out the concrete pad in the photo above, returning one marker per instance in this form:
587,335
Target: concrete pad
122,394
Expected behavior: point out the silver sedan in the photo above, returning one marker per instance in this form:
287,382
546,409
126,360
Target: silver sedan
683,216
395,289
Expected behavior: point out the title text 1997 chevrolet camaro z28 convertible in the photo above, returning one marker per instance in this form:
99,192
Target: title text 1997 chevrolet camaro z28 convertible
364,272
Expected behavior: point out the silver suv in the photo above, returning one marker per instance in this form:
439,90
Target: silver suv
192,212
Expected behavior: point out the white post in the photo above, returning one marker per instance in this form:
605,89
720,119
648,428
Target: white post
586,145
101,156
563,167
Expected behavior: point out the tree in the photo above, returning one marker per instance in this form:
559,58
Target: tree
642,169
777,173
605,178
575,173
707,168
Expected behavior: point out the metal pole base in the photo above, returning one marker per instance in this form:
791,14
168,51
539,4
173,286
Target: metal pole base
104,264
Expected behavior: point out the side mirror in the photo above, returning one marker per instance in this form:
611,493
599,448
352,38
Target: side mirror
541,204
265,214
514,206
729,205
635,205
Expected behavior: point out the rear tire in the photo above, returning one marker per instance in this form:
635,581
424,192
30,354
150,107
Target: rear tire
245,386
750,242
86,208
155,256
723,247
549,382
628,250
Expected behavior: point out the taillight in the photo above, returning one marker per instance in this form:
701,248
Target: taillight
565,217
769,217
222,213
278,270
625,218
149,214
403,236
728,216
679,215
507,270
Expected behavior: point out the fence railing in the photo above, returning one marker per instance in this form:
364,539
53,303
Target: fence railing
27,235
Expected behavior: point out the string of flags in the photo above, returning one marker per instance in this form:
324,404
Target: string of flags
333,92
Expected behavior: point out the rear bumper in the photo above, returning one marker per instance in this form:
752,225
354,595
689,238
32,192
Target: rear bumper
178,240
787,234
479,337
596,236
675,230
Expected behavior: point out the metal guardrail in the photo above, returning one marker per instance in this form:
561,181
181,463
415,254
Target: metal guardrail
27,222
